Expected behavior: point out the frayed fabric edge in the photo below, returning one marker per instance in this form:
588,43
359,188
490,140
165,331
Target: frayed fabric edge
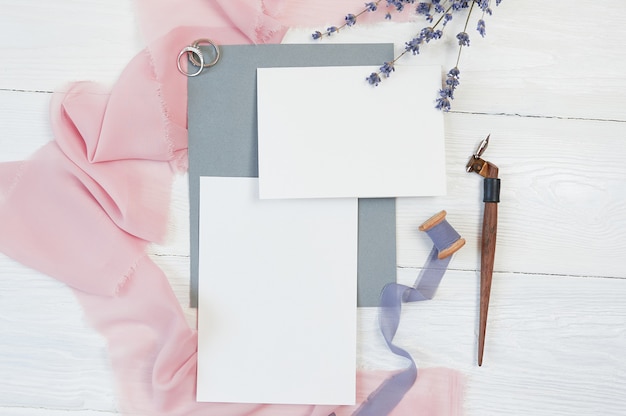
5,196
265,32
167,124
129,274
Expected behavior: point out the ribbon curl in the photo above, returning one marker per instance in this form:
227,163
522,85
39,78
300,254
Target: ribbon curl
446,241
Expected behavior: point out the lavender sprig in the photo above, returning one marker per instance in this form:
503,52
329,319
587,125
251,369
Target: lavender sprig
438,13
349,20
446,94
427,34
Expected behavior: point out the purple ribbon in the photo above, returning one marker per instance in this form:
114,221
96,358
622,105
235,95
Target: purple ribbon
387,396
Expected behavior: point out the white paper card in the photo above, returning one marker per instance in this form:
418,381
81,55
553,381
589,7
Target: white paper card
277,297
324,132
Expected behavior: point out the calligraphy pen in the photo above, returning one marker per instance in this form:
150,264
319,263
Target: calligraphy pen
491,197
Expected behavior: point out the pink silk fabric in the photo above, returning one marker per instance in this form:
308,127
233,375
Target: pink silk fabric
84,207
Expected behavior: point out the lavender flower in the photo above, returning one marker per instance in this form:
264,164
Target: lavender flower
397,4
463,38
453,77
446,94
428,34
349,20
371,6
413,45
373,79
423,8
484,6
443,103
458,5
438,6
438,13
387,69
480,27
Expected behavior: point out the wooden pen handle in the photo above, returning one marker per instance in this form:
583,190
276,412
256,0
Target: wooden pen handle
488,251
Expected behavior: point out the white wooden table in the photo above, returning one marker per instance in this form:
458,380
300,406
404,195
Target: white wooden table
547,83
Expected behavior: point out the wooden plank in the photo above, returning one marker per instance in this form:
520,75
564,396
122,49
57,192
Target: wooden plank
563,74
557,340
563,206
48,44
49,357
554,345
538,58
24,122
563,200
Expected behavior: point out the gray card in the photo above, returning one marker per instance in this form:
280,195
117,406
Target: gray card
222,125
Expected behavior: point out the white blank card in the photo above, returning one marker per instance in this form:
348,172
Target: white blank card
277,297
324,132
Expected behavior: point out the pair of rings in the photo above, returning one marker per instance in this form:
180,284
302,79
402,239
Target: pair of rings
196,57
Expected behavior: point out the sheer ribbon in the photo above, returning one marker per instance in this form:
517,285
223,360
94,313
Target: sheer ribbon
392,390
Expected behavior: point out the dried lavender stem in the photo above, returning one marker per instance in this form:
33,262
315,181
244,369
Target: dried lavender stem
469,14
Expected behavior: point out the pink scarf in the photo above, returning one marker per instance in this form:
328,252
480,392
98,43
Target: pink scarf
84,207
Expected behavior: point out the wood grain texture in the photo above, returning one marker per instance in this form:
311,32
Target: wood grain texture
538,58
547,84
48,44
554,345
49,357
563,205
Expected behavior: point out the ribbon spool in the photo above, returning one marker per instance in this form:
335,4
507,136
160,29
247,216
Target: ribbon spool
445,238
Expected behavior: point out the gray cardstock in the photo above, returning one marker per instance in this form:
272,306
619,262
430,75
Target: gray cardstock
222,122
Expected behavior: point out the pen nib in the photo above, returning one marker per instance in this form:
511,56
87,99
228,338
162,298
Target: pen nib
482,147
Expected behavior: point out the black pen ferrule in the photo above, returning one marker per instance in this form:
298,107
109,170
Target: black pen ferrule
491,190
